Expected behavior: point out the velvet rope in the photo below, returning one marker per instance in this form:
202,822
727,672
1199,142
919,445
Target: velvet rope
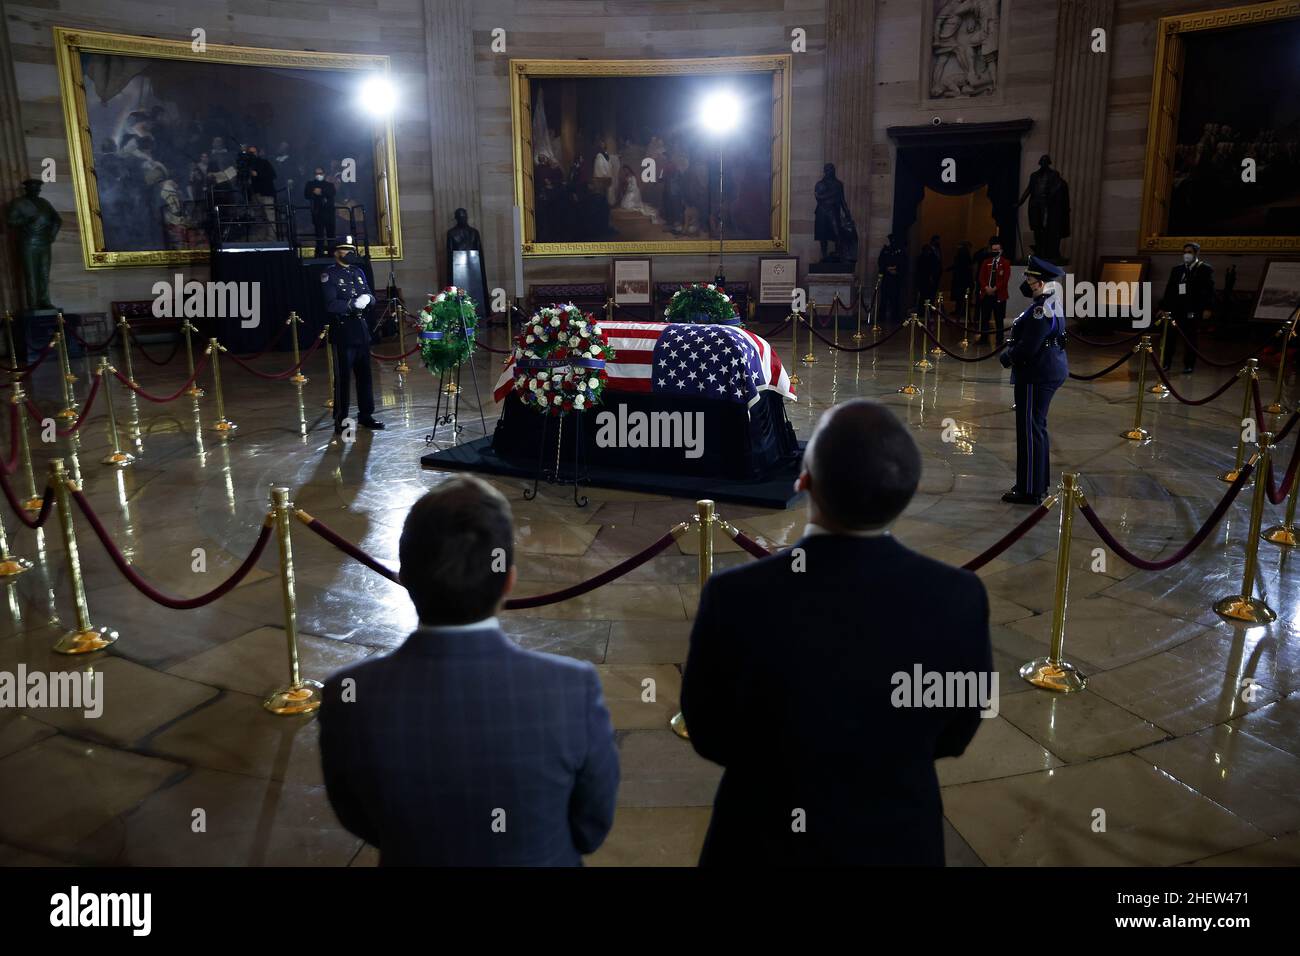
163,399
1188,401
1182,553
8,465
1236,363
167,361
47,501
346,546
397,358
1258,402
1104,372
1011,537
277,376
617,571
961,358
487,348
93,348
40,416
1103,345
846,348
747,543
1286,429
26,370
1276,494
147,589
777,329
275,340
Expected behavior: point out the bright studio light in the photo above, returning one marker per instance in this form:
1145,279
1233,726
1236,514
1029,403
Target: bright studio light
720,111
377,96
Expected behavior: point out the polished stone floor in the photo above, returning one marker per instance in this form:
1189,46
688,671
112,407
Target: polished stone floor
1188,735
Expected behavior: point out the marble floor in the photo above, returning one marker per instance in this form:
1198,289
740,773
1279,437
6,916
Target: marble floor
1188,735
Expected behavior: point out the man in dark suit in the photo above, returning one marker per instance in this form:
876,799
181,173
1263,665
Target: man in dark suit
800,675
1189,299
460,748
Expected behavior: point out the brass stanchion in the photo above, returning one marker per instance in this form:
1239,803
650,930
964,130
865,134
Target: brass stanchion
13,350
222,425
194,391
1137,433
1159,387
810,358
297,377
65,363
1284,535
794,347
1053,672
116,458
10,565
1276,407
32,502
1250,374
923,363
1244,606
858,335
964,344
875,306
69,409
910,388
402,368
299,696
329,364
125,328
936,351
85,638
835,320
706,519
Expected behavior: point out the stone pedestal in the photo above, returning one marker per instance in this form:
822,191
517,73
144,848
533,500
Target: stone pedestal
822,289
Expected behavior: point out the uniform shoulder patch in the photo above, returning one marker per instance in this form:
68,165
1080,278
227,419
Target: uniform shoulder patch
325,276
1038,311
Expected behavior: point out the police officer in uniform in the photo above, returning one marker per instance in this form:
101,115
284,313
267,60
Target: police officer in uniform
1189,294
890,264
1035,353
347,298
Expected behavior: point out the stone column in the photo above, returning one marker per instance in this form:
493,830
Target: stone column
1078,122
453,123
850,43
13,170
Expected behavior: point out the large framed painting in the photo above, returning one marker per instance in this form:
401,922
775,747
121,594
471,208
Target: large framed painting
617,157
155,129
1217,102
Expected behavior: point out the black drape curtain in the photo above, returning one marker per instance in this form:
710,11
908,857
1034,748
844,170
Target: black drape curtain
996,165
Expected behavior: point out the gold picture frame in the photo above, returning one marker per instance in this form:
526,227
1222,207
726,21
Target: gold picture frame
523,72
70,44
1162,124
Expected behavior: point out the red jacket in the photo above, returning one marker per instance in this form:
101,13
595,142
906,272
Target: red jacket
999,282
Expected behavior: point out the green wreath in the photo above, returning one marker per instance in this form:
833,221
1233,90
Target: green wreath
442,346
700,303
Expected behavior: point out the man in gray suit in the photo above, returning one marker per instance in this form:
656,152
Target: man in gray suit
460,748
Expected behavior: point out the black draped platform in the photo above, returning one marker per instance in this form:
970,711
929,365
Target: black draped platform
746,458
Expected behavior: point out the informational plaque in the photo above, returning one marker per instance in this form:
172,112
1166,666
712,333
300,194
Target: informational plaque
1279,291
467,274
777,276
632,281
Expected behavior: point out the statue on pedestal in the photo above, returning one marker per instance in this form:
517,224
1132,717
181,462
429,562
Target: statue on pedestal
833,223
1049,210
463,237
37,223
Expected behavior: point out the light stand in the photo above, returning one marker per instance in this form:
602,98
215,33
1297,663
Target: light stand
720,279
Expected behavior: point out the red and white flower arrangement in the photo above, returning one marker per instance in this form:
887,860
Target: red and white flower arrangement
560,356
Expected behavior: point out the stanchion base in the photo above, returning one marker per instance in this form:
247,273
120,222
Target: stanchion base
293,700
1158,389
118,459
330,403
12,566
1241,608
909,390
936,351
794,379
1283,536
298,378
195,392
876,330
451,388
1275,409
67,413
923,364
85,642
1137,435
402,368
859,336
964,344
809,359
678,724
1061,677
224,426
1230,476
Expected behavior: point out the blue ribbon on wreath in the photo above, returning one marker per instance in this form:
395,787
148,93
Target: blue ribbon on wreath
592,363
434,336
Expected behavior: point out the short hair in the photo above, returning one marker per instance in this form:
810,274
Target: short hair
457,545
864,465
995,240
1196,246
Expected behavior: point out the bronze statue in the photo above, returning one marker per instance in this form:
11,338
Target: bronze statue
1049,210
832,221
36,223
463,237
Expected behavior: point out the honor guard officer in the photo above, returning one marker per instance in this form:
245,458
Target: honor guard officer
1035,353
347,297
1189,295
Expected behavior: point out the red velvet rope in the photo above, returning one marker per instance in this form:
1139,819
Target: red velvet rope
1286,429
176,346
26,370
8,465
1103,345
487,348
575,590
1188,401
163,399
1236,363
1276,494
1104,372
276,376
1258,402
397,358
93,348
147,589
40,416
346,546
47,500
1007,540
269,345
749,544
960,358
846,348
1197,539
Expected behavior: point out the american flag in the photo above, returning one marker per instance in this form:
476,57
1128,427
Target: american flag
704,361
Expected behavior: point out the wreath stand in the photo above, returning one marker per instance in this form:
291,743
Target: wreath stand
553,476
452,390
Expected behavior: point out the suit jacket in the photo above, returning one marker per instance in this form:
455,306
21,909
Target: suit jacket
463,749
789,685
1196,283
998,281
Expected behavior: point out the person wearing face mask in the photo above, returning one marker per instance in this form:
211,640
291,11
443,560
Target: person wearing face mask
1035,353
319,191
347,299
991,294
1189,294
